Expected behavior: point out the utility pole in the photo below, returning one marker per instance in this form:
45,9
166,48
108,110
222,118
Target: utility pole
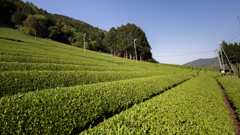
220,44
135,50
84,42
228,60
35,34
219,60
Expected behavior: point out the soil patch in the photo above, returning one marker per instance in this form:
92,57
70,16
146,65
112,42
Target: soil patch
232,114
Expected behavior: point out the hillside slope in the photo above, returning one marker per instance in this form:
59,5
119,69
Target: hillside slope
47,87
207,63
31,20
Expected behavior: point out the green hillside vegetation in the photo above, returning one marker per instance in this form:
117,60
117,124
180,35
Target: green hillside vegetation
56,27
190,108
31,20
48,87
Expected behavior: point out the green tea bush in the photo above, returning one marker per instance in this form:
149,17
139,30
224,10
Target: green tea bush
15,66
193,107
70,110
12,82
9,58
231,88
213,74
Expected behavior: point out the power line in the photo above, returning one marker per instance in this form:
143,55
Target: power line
235,37
185,54
238,40
178,52
171,52
232,33
231,29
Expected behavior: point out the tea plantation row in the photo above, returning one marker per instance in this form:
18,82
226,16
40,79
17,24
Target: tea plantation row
73,109
193,107
13,66
9,58
231,87
24,81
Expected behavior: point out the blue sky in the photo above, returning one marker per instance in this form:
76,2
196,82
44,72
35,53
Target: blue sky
179,31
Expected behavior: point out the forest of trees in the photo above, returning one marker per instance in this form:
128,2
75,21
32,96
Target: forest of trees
121,42
27,18
233,53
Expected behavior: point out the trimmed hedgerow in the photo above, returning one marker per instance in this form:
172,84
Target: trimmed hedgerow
69,110
231,88
194,107
13,82
213,74
13,66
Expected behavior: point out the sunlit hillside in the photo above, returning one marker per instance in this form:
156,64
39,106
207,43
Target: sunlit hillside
47,87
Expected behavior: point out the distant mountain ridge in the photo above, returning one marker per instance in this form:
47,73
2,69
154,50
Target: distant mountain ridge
207,63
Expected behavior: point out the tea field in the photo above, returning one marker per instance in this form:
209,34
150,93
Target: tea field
47,87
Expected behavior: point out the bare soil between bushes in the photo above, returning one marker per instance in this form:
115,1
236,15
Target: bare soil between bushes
232,114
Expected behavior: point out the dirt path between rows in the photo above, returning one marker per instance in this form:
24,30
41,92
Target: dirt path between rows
232,114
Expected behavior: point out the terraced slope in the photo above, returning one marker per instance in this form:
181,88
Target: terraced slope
47,87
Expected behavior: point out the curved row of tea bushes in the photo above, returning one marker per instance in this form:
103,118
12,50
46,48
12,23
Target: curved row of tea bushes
22,59
231,88
193,73
13,82
9,58
14,66
213,74
193,107
69,110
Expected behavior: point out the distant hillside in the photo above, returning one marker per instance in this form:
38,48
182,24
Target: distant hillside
207,63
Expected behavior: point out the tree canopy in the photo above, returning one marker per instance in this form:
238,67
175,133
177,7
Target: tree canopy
121,41
232,51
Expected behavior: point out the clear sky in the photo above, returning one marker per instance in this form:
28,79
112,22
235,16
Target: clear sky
179,31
